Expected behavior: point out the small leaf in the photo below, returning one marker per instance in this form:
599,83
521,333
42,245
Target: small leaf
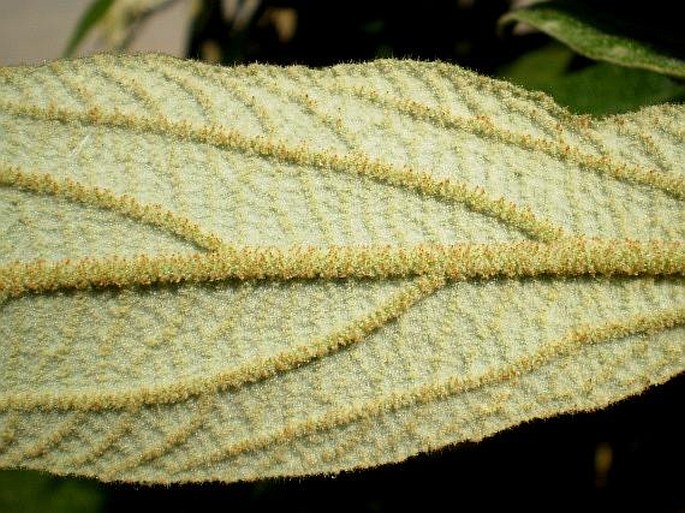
231,274
598,89
596,33
93,15
117,22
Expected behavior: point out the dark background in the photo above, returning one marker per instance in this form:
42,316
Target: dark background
333,32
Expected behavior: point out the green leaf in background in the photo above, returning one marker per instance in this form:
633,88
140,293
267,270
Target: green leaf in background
95,13
597,89
118,22
233,274
30,492
602,31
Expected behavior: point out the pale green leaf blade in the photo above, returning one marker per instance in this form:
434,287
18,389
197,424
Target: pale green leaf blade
229,274
594,34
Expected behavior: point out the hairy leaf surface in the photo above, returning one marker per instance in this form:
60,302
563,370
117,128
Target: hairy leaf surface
229,274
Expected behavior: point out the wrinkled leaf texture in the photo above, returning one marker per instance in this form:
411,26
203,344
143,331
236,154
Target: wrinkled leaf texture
232,274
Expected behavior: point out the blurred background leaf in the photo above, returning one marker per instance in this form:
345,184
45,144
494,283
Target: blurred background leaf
640,34
88,21
34,492
116,21
587,87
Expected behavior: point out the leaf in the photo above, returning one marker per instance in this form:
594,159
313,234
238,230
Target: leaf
230,274
28,492
598,89
118,21
615,35
93,15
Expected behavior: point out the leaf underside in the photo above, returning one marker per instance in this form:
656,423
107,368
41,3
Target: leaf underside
232,274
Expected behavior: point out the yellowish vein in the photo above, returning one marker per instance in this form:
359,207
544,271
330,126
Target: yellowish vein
570,256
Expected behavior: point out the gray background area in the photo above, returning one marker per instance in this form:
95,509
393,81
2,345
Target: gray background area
33,31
